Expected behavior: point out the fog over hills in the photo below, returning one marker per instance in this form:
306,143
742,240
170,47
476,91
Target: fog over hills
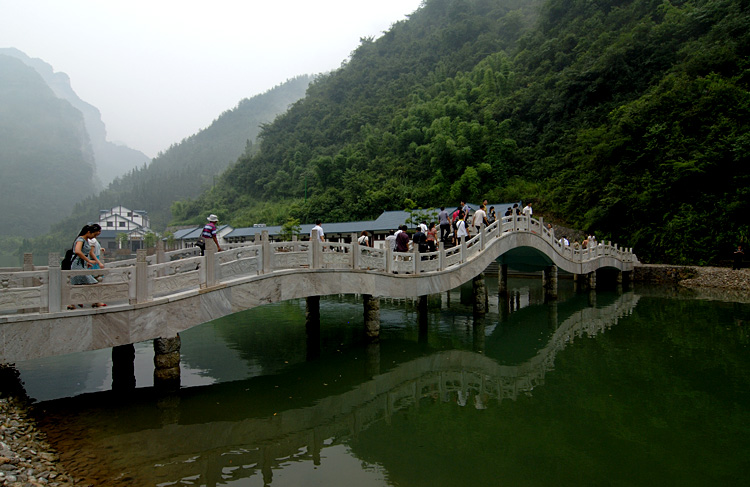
111,159
46,160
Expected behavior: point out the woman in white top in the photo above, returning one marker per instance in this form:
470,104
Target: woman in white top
461,230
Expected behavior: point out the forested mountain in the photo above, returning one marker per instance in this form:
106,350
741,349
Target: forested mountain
46,161
188,168
627,118
111,159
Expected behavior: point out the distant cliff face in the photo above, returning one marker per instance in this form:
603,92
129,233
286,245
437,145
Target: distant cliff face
111,159
46,158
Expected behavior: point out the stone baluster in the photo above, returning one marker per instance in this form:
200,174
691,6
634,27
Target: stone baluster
141,276
266,257
355,252
441,255
161,256
54,283
28,265
317,249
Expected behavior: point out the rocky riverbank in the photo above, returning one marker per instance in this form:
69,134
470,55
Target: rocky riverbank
27,460
695,277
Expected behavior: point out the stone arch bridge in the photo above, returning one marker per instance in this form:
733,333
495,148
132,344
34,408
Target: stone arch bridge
161,295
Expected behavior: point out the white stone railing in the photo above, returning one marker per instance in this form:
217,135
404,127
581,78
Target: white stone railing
140,280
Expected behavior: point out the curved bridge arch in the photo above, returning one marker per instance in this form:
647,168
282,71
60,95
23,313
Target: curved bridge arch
163,299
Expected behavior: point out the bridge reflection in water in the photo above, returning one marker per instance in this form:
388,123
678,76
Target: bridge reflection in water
219,434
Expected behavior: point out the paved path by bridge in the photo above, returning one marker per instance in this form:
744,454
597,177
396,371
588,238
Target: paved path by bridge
162,295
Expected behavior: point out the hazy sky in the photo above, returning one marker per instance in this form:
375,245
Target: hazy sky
160,70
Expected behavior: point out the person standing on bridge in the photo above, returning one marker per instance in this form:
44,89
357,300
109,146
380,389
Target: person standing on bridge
461,230
319,229
445,224
480,219
209,233
85,259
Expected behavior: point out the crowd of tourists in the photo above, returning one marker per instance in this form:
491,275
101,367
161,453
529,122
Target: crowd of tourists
453,227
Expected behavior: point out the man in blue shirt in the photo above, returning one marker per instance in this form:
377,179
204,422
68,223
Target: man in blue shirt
209,232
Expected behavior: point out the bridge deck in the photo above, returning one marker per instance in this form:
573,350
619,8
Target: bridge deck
161,295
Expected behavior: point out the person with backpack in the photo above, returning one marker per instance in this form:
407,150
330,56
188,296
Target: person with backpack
84,258
420,239
364,239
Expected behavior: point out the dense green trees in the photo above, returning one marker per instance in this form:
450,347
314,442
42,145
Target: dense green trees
624,118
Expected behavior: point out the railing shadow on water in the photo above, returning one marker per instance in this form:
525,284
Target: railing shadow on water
42,290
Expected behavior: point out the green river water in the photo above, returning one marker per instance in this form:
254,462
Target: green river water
645,387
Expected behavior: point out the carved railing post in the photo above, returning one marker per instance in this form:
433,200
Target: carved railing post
161,255
417,258
54,283
316,248
481,237
355,252
267,257
388,259
210,263
141,276
441,255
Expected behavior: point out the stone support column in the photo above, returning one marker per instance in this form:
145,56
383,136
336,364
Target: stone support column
123,367
372,316
502,280
503,307
591,280
550,282
167,362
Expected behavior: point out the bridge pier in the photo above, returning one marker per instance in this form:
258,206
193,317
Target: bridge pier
549,282
123,367
503,307
584,282
480,295
502,280
372,316
167,362
312,326
591,280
